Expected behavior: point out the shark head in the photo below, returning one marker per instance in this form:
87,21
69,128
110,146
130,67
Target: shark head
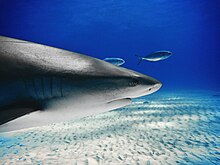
109,84
137,84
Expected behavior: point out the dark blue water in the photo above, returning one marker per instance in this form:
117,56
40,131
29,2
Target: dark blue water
113,28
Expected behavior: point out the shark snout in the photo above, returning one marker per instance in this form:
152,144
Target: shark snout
150,85
155,87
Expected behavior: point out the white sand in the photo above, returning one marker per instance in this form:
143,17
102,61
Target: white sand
168,129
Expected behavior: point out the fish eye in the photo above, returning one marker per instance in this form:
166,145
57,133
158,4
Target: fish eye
134,82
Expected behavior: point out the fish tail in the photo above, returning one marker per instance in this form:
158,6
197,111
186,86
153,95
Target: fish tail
140,59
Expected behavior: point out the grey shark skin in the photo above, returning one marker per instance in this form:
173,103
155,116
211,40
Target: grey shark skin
41,84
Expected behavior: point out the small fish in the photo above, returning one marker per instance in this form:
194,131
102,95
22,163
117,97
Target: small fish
155,56
115,61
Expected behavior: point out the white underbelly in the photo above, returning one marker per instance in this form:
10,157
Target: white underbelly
58,113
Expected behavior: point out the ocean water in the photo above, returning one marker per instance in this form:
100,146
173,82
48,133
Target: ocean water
112,28
179,124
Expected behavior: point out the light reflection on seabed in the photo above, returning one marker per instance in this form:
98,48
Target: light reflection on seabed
165,128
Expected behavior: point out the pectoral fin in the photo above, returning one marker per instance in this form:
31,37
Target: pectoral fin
16,110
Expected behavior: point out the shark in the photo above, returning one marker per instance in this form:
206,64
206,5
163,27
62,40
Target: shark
40,85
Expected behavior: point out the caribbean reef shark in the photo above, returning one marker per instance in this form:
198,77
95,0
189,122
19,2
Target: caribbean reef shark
41,84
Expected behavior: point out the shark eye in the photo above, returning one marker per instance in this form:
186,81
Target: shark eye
134,82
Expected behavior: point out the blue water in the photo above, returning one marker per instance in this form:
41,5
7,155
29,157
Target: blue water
113,28
121,28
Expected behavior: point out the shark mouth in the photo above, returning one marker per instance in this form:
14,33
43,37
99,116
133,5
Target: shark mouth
118,103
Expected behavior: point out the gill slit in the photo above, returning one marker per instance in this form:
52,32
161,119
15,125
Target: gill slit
51,86
43,89
34,87
61,87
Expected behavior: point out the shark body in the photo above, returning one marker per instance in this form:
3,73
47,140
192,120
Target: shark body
40,85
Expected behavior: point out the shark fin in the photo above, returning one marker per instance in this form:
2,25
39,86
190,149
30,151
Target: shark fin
16,110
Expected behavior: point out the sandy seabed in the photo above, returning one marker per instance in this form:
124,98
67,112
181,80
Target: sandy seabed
163,128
